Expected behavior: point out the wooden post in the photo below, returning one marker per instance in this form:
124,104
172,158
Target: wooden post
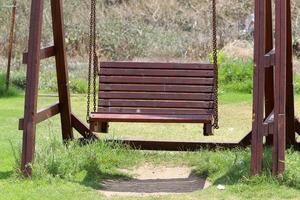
32,58
32,80
273,73
61,69
280,87
269,76
290,108
10,42
258,88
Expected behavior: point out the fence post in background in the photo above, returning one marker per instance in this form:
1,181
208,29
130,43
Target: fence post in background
11,41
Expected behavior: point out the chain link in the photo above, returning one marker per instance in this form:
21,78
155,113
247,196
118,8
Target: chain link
93,61
215,62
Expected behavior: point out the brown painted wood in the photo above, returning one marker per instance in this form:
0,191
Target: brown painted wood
44,53
181,145
156,96
156,80
157,88
156,72
290,104
34,44
280,88
208,130
150,118
61,69
275,89
46,113
155,111
42,115
153,92
152,65
173,145
35,54
269,58
297,126
154,104
82,129
258,88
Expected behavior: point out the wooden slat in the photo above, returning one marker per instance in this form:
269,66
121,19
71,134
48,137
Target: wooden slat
157,96
151,118
153,65
156,72
154,111
157,88
157,80
155,104
44,53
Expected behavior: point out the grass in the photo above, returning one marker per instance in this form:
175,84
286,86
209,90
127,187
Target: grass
12,91
76,172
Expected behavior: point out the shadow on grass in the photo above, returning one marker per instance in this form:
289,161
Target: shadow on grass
6,175
95,175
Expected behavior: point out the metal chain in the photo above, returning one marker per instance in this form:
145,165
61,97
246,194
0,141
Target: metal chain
95,71
215,62
92,56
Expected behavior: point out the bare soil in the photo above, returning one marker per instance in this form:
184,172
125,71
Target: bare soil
155,180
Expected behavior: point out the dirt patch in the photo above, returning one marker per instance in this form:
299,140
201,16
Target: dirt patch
155,180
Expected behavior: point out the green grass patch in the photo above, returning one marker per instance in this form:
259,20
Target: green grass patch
76,171
12,91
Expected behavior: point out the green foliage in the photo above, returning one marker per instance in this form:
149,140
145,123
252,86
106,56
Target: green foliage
76,171
48,82
236,75
12,91
78,86
18,79
297,83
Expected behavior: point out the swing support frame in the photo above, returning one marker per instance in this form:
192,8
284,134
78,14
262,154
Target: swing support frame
69,121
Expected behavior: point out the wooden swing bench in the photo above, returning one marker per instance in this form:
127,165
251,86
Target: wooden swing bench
155,93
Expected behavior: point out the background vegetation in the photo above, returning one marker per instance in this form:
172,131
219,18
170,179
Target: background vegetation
153,30
172,30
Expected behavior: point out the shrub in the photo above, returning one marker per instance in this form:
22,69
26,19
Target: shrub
78,86
18,79
236,75
12,91
297,83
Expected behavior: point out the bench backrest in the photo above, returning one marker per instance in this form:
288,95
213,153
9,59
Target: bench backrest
156,88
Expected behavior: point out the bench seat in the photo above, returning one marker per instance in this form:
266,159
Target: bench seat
155,93
99,117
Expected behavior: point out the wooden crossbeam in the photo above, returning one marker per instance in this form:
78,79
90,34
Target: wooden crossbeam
44,53
42,115
165,145
82,129
269,125
270,58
